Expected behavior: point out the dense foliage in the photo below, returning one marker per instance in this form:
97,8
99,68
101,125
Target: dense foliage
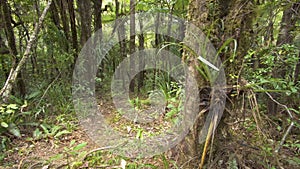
257,41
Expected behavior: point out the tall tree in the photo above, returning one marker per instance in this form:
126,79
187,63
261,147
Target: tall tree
141,61
73,29
7,88
84,7
64,20
121,31
97,14
288,23
55,14
3,50
9,31
132,42
208,16
189,149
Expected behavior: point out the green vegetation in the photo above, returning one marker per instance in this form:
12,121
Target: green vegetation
257,42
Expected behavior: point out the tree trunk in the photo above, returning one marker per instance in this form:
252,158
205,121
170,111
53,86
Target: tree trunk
12,44
289,18
203,13
141,61
157,44
3,51
64,20
55,14
97,15
73,31
84,7
132,42
189,148
121,31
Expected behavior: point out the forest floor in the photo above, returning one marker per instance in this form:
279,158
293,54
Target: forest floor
241,145
74,149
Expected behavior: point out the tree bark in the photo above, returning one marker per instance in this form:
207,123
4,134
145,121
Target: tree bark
84,7
55,14
73,30
12,44
189,148
287,25
132,42
7,88
64,20
97,15
141,61
121,31
205,14
3,51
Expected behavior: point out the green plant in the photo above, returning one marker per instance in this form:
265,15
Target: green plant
275,70
174,102
136,103
165,162
139,134
11,118
49,131
72,153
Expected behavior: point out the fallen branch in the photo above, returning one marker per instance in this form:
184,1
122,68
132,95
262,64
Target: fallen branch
289,128
103,148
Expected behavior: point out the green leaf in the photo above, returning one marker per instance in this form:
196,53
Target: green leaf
82,154
62,133
54,129
107,18
25,104
171,113
13,129
72,142
45,128
33,95
10,111
80,146
170,106
12,106
4,124
56,157
173,99
294,161
2,109
294,90
37,133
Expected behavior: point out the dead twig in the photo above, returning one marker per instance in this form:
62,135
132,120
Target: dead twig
254,107
49,86
21,163
103,148
289,128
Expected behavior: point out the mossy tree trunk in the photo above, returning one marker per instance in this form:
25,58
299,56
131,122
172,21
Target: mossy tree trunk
219,20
